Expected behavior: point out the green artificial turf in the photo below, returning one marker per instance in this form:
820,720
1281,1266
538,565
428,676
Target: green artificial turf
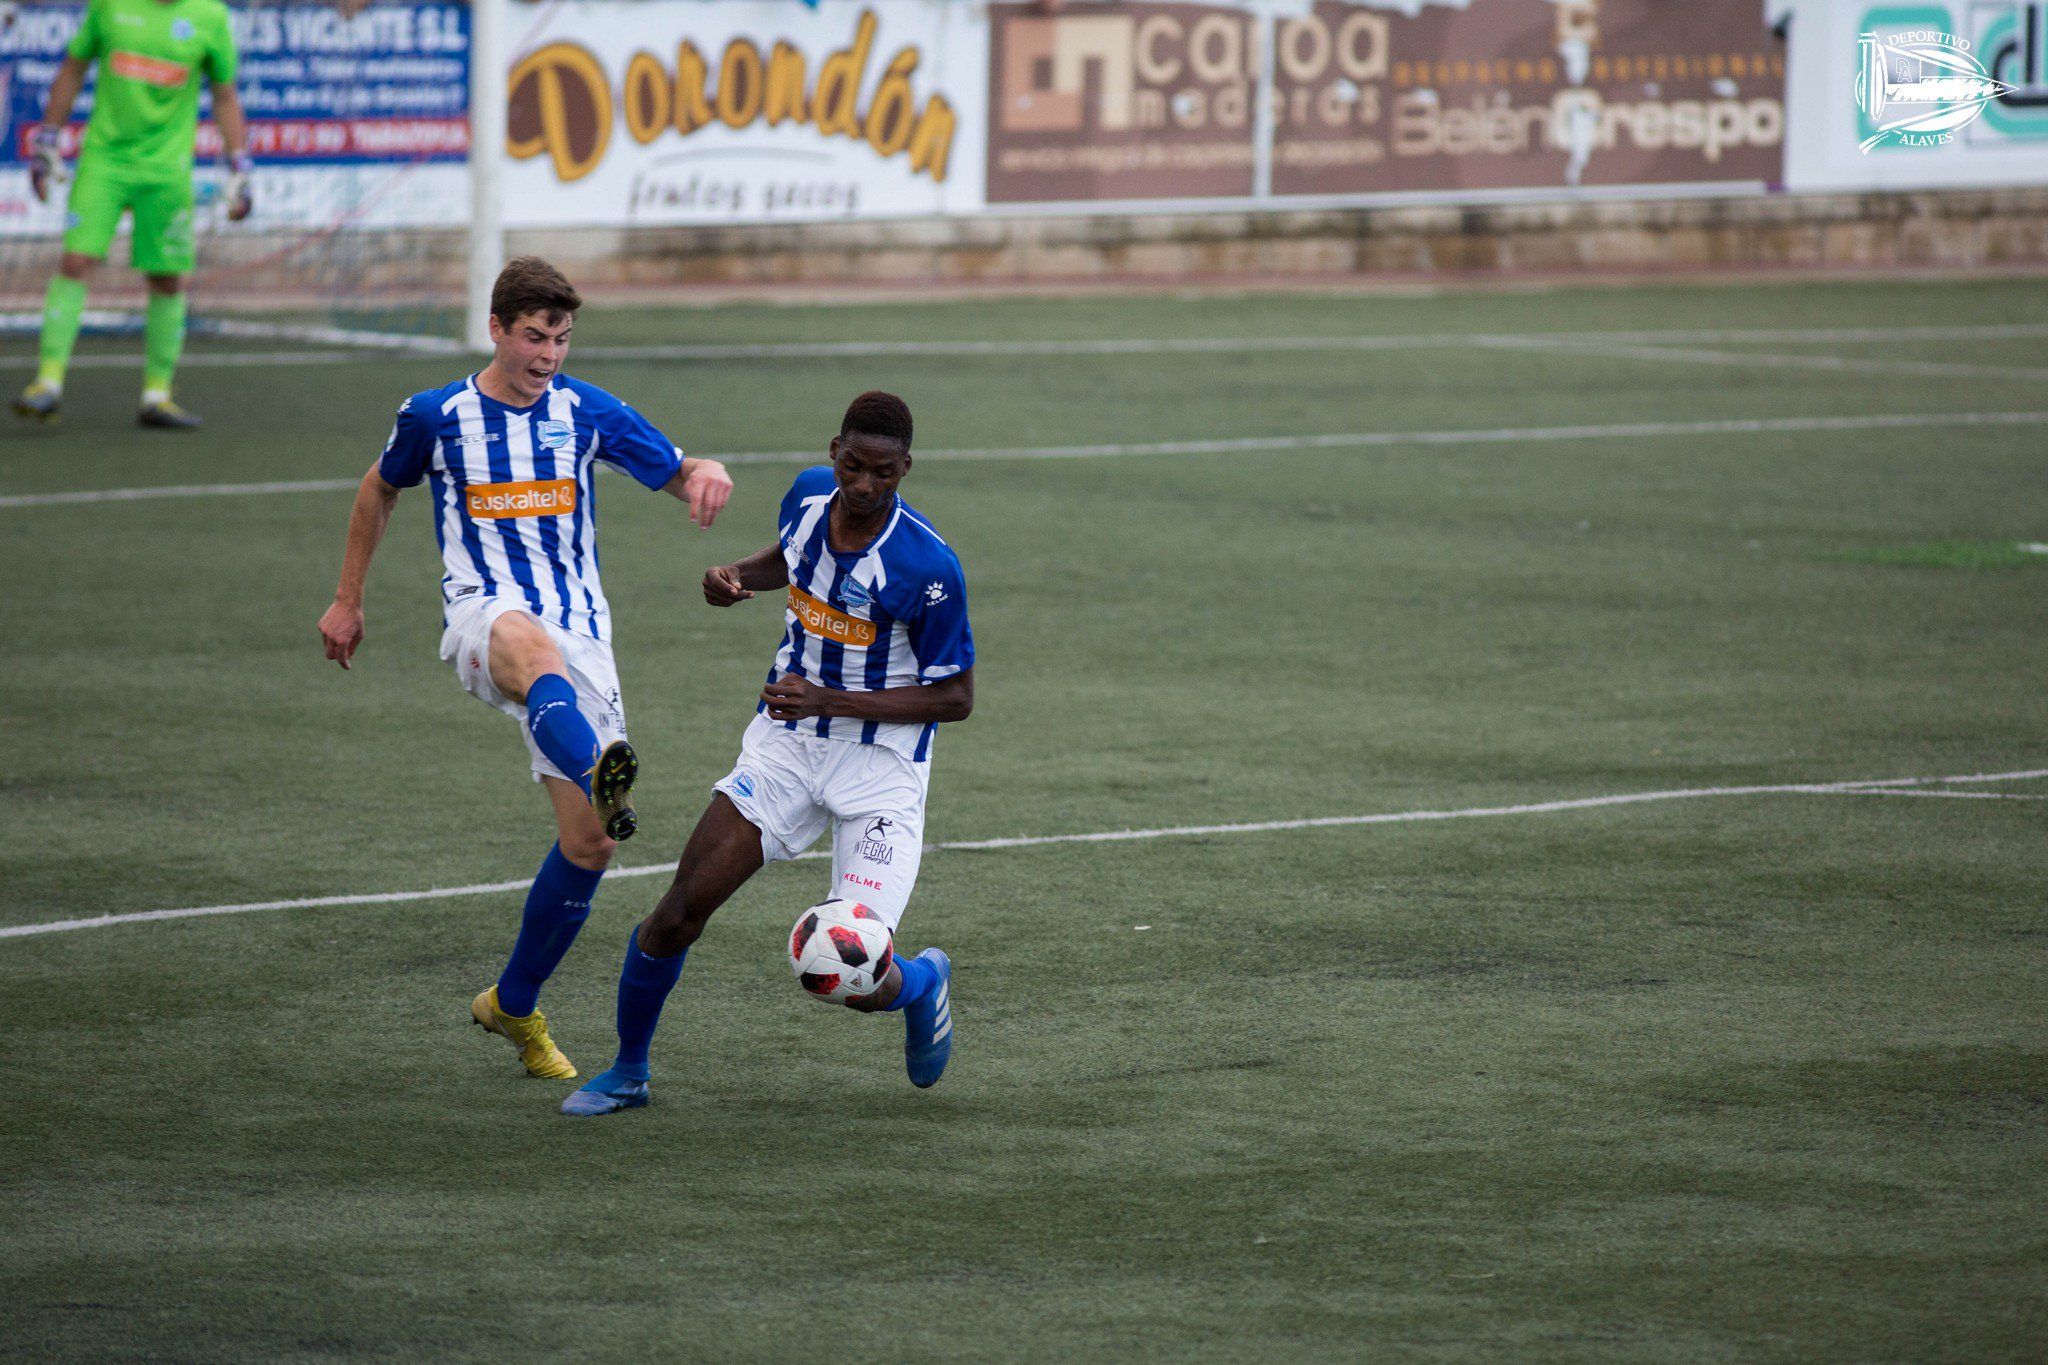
1750,1076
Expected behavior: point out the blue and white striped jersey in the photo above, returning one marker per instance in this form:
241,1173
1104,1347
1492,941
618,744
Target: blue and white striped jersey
515,498
892,615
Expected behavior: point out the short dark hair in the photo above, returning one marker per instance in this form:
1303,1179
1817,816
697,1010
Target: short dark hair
875,413
529,284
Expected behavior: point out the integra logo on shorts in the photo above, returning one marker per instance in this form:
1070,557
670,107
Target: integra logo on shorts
536,498
874,841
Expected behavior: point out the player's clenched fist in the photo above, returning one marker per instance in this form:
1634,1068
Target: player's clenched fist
342,628
793,698
722,586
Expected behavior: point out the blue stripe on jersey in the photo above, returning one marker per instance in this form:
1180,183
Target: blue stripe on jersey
832,654
806,559
877,673
437,488
544,468
501,472
585,513
473,541
924,743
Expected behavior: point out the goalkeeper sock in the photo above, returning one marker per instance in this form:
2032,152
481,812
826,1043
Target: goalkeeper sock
919,977
555,910
163,340
63,310
560,729
644,984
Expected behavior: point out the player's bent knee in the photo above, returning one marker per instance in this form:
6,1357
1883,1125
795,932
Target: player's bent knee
592,852
668,931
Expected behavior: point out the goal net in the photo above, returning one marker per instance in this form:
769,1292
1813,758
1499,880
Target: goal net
360,124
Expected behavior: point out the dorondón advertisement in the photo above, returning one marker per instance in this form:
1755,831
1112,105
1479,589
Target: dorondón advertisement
659,112
1141,101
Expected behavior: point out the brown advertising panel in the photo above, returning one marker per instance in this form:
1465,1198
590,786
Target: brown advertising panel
1527,94
1120,102
1143,101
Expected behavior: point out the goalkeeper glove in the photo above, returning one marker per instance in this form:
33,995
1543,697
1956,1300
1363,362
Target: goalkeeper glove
237,193
46,162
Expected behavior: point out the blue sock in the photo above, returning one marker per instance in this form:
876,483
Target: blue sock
555,910
559,728
644,984
918,979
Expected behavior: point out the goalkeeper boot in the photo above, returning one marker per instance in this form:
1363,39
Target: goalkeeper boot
40,402
928,1025
611,789
165,415
606,1094
530,1035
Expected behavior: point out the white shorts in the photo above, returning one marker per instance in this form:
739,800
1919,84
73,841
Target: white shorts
791,785
466,643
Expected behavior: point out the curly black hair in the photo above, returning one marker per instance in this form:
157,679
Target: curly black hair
875,413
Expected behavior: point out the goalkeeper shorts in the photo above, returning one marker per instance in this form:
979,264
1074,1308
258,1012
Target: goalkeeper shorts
100,194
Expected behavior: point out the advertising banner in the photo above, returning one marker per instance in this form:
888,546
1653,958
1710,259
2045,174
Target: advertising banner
1135,101
1918,96
344,113
639,112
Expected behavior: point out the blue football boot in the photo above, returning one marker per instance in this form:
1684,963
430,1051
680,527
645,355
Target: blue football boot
606,1093
928,1026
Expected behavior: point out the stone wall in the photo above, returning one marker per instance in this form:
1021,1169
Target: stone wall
1950,230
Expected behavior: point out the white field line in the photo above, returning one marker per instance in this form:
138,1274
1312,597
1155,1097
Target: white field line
1871,786
1694,355
205,360
1946,796
819,350
1740,426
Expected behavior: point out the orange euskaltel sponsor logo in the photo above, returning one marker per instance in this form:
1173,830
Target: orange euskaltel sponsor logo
829,622
539,498
150,70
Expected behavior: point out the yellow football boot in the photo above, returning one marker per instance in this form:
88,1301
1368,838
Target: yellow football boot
529,1035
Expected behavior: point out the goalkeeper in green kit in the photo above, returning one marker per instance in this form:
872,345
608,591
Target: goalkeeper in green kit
136,158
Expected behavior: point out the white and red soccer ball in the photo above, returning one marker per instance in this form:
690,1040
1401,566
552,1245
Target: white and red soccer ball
840,950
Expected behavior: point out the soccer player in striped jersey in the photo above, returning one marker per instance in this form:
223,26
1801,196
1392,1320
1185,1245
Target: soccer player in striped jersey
876,652
510,455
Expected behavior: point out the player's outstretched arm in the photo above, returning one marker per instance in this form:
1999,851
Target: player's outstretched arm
764,570
704,485
341,627
793,698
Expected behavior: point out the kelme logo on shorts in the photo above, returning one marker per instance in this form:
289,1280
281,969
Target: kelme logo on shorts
831,624
150,70
538,498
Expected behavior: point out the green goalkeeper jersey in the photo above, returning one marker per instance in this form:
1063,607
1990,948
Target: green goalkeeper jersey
151,56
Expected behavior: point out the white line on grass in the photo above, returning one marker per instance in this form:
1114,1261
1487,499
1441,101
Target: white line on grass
1739,426
420,347
1946,796
1865,787
206,360
1695,355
